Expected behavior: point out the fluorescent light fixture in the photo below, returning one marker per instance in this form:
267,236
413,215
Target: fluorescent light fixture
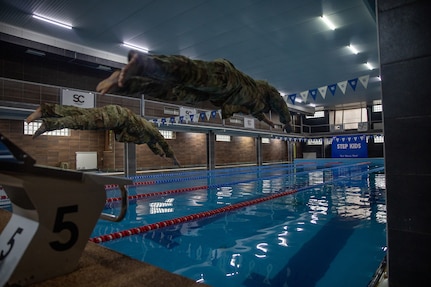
327,22
35,52
103,68
298,100
369,66
133,46
53,21
353,49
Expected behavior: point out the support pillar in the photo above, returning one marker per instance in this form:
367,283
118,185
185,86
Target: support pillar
129,159
210,150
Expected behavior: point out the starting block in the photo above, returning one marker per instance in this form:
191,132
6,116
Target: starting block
54,212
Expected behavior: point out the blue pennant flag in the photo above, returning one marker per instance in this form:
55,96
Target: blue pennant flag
172,120
202,115
191,117
313,93
292,98
163,120
213,114
353,83
332,88
155,121
181,119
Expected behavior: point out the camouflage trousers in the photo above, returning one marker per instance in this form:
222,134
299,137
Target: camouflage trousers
127,126
58,117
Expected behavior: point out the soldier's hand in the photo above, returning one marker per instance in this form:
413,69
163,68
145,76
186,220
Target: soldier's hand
109,84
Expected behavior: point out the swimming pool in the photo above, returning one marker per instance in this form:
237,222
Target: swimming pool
305,224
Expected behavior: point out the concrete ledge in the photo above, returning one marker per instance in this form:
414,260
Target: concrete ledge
100,266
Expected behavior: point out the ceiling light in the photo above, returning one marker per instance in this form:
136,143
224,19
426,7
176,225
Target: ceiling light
133,46
368,65
327,22
103,68
35,52
53,21
353,49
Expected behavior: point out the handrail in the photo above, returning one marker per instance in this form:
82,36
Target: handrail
123,209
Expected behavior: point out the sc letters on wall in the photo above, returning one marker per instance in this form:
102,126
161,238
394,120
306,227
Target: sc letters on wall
77,98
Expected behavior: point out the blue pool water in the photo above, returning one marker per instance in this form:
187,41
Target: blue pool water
329,232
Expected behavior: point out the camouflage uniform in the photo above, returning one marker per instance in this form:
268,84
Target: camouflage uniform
178,78
127,126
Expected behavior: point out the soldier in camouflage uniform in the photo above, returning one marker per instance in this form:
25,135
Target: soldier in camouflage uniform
127,126
178,78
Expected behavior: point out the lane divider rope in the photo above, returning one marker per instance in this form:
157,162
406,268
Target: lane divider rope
180,190
200,215
187,218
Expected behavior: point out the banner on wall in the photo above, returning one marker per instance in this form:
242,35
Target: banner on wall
353,146
77,98
188,114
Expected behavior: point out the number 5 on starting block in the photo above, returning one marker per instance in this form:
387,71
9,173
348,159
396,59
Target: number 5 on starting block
53,217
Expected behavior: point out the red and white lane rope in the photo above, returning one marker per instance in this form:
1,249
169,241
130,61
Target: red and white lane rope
158,193
187,218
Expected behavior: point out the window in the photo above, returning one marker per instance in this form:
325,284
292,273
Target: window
168,135
171,111
318,114
222,138
266,140
314,141
379,139
235,121
377,106
31,128
349,118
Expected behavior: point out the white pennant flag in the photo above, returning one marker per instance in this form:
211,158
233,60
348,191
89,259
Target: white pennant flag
304,95
322,91
364,80
208,114
342,85
219,113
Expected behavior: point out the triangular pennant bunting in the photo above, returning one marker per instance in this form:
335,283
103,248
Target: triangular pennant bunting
322,91
208,115
304,96
202,116
332,88
292,98
353,83
342,85
313,93
364,80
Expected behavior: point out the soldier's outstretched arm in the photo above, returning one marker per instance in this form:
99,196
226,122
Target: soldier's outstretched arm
109,84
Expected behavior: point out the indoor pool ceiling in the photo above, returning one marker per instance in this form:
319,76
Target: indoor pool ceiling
284,42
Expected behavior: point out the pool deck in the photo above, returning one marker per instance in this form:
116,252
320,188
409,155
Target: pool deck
99,266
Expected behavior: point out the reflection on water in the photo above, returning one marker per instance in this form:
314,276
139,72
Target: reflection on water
274,243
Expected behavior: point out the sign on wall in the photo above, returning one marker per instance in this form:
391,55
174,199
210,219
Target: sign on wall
353,146
188,114
249,123
77,98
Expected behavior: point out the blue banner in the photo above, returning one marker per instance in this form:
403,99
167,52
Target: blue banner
353,146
